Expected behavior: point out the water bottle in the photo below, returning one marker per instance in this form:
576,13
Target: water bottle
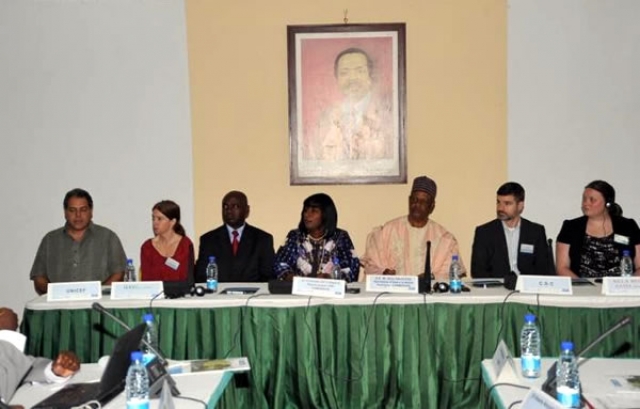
336,274
151,338
212,275
568,381
455,285
130,271
626,264
530,347
137,391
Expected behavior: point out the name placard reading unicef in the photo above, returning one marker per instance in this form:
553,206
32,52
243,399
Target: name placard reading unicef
544,285
621,286
78,291
392,284
135,290
318,287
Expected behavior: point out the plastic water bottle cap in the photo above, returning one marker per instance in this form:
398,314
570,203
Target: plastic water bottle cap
147,317
529,318
335,260
626,253
129,261
454,257
212,259
136,356
566,345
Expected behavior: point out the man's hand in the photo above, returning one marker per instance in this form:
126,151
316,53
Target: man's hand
8,319
66,364
324,275
389,272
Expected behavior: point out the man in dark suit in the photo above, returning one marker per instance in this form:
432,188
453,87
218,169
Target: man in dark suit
510,243
243,253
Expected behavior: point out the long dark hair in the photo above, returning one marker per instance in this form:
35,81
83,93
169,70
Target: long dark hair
323,202
609,193
171,210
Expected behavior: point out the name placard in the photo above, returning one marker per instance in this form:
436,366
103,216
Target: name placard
621,286
500,357
76,291
537,399
544,285
318,287
392,284
135,290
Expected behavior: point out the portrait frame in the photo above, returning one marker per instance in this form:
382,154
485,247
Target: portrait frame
347,104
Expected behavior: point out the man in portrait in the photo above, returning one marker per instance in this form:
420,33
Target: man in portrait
360,125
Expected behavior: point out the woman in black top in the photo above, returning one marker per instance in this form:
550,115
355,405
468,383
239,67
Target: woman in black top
592,245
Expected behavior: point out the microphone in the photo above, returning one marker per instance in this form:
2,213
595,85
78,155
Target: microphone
98,307
549,385
552,264
424,284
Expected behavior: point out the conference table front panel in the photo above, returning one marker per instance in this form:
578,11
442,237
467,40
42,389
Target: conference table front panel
363,351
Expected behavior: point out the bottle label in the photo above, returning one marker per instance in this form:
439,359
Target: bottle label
569,398
455,286
138,403
530,364
212,285
146,358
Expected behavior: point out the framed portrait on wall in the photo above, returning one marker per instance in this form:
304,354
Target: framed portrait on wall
347,103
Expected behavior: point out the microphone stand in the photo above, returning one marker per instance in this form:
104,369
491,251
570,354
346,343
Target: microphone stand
549,384
98,307
424,283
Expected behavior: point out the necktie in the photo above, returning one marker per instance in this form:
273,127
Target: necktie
235,243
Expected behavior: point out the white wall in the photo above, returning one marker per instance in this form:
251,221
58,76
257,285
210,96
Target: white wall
93,94
574,103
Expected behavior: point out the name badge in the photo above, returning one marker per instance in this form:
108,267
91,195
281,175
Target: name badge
76,291
392,284
526,248
553,285
135,290
537,399
172,263
620,239
318,287
621,285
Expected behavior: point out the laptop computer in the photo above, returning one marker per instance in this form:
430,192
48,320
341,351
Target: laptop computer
111,383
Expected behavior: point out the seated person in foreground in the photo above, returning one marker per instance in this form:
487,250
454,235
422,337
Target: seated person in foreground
80,250
399,247
510,243
592,245
243,252
310,249
168,256
17,368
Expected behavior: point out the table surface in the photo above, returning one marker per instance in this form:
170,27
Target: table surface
204,386
595,377
583,296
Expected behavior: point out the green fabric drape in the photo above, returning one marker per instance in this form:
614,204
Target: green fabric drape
383,356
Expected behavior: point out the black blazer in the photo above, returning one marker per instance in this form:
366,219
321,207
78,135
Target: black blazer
490,256
574,231
253,263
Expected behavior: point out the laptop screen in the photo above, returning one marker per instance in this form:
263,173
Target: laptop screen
116,371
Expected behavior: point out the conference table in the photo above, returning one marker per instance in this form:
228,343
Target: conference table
197,390
367,350
603,383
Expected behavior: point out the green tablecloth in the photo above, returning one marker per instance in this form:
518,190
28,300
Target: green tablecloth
331,356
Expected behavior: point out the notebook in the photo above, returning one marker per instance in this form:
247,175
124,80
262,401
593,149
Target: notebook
111,383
